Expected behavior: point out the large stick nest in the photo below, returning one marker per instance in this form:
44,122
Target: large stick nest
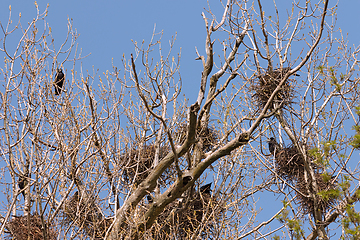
182,219
289,163
29,227
266,85
85,214
304,199
207,136
139,162
290,166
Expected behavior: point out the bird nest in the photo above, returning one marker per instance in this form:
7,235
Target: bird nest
139,162
197,211
208,136
85,214
289,163
266,85
184,218
29,227
325,197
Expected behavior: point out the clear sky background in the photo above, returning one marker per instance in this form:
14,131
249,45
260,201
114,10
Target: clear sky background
106,28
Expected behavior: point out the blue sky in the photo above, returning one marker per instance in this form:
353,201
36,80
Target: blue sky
106,28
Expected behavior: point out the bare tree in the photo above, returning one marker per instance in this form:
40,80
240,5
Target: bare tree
126,156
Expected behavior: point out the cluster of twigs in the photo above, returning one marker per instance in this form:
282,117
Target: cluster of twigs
324,200
85,214
290,166
206,135
139,162
289,163
29,227
182,219
266,85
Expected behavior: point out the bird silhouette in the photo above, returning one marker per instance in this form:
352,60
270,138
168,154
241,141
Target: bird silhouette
273,145
59,81
22,182
150,199
206,189
186,180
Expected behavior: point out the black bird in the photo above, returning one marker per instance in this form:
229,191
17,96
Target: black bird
59,81
186,180
206,189
273,145
76,195
150,199
22,182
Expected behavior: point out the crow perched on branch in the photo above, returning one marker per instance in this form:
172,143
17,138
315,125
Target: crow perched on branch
150,199
22,182
186,180
206,189
59,81
273,145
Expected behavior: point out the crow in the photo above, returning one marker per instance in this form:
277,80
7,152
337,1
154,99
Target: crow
206,189
273,145
186,180
22,182
150,199
59,81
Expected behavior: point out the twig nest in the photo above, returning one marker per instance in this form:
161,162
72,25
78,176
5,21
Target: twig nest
208,136
29,227
289,163
84,213
138,163
184,217
267,83
325,197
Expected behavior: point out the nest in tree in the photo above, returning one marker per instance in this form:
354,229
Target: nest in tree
29,227
266,85
289,163
139,162
208,136
86,215
325,197
184,218
192,217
